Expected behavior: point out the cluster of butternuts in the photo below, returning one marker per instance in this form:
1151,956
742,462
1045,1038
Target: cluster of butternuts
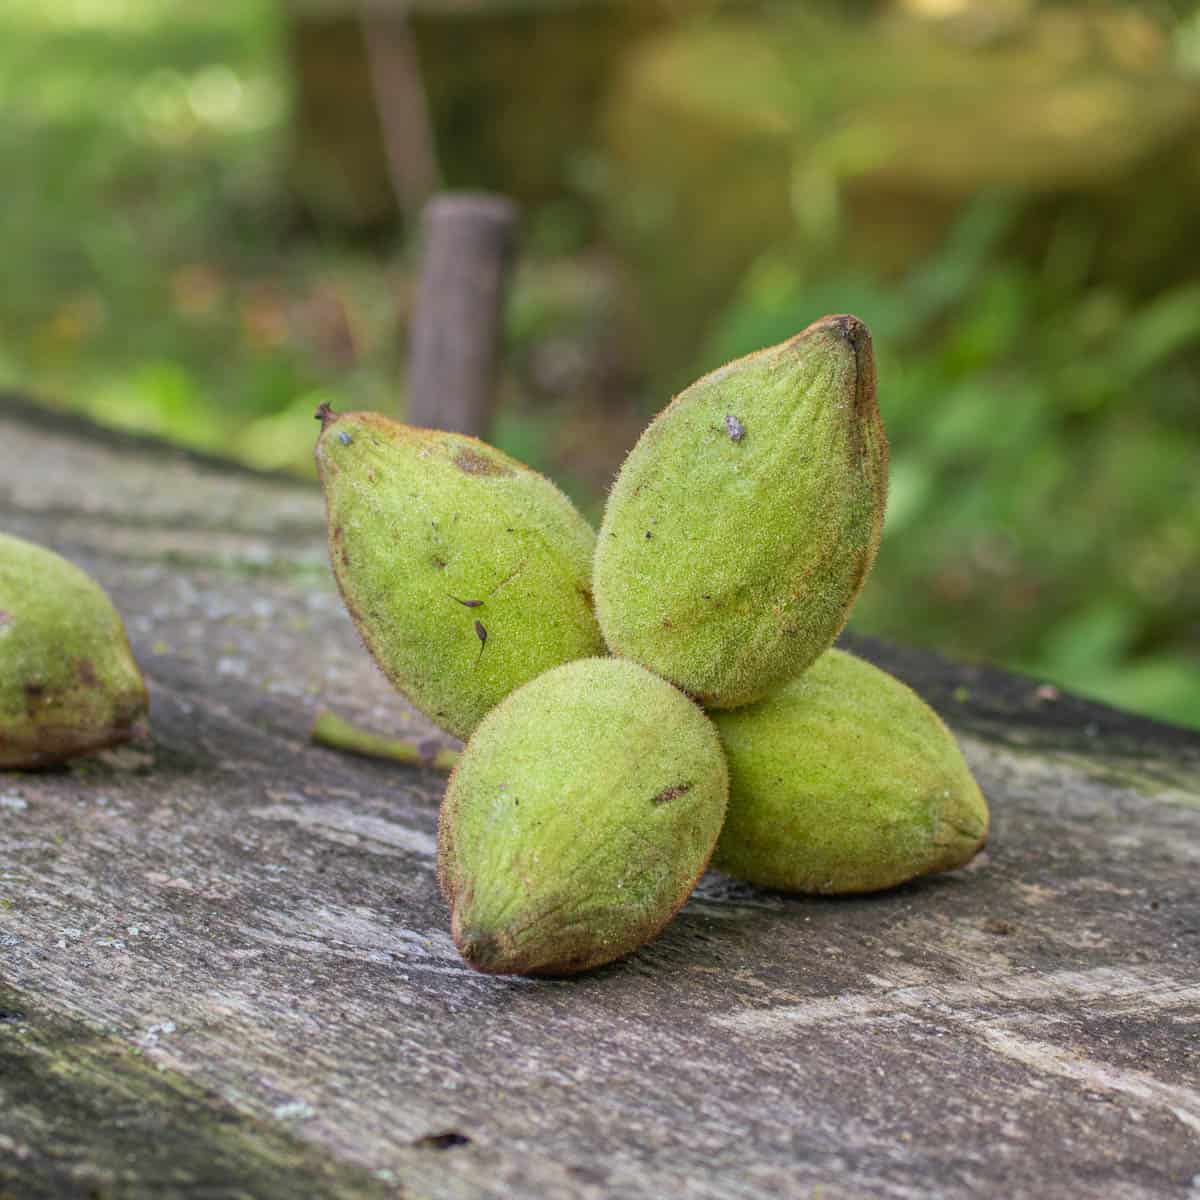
634,705
638,703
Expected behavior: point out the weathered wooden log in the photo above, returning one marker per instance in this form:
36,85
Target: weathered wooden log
226,971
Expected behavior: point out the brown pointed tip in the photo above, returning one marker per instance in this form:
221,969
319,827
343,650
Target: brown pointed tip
855,335
483,951
845,326
325,414
493,953
852,329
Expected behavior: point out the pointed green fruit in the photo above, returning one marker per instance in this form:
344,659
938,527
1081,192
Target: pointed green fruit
466,573
844,780
744,521
68,681
578,819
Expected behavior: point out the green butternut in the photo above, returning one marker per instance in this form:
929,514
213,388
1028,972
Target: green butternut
578,819
466,573
68,681
743,523
844,780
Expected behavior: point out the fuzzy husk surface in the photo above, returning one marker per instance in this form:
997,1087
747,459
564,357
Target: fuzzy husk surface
844,780
68,681
466,573
743,523
578,819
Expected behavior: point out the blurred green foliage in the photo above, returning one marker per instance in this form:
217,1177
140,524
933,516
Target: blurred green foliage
1045,506
1045,496
148,277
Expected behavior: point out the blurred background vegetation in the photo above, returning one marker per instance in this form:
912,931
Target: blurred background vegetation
200,240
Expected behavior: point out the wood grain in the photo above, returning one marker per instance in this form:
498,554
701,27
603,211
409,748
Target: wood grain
227,920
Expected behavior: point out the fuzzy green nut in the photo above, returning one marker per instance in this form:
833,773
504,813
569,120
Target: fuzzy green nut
466,573
578,820
844,780
744,521
68,681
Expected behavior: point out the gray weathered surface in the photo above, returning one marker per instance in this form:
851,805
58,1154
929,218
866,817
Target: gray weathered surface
259,919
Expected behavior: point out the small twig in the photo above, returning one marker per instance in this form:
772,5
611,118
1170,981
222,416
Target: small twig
339,734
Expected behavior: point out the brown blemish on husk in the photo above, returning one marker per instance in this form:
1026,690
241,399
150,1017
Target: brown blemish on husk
508,578
866,407
57,742
85,671
671,793
339,546
471,462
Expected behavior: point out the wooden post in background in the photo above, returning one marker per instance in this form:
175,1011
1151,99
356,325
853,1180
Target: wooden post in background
457,324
